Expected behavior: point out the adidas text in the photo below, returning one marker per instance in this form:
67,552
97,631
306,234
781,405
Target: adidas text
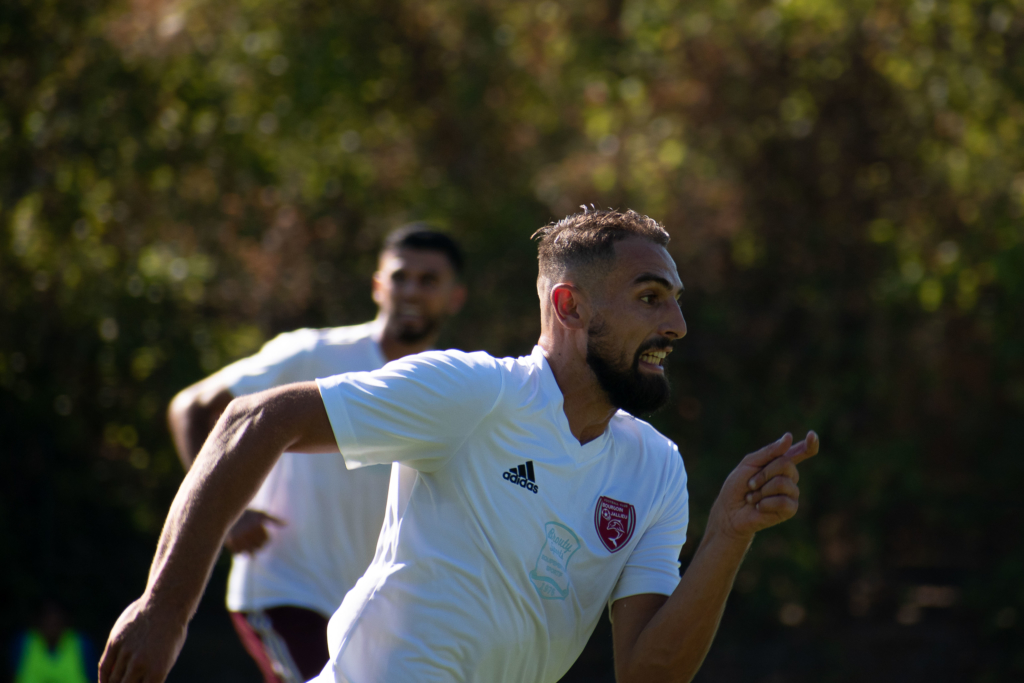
523,476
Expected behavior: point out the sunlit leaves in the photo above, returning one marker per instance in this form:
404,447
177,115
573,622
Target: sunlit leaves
842,181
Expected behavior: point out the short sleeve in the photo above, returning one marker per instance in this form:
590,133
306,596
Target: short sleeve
653,566
282,360
417,410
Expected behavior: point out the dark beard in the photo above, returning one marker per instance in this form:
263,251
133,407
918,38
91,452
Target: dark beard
414,335
627,388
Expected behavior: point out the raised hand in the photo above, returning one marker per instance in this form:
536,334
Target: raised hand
249,533
762,491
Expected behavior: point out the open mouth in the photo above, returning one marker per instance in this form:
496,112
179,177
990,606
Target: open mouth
656,358
407,311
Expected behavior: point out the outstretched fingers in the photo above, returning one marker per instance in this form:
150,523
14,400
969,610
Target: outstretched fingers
764,489
778,469
762,457
808,448
785,462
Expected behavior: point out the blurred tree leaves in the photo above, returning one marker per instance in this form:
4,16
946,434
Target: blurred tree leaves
182,179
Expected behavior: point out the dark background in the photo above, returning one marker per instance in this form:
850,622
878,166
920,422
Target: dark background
179,181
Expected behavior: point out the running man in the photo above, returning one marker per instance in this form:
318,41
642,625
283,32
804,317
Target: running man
311,529
526,495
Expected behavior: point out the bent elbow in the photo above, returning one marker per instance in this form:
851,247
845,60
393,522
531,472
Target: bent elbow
178,409
659,667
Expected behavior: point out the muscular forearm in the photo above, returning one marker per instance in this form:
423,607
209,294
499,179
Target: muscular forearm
243,447
228,471
674,643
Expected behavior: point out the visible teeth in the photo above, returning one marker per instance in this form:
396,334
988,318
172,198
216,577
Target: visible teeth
654,357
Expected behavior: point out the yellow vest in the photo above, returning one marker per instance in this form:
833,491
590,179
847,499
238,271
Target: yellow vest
40,665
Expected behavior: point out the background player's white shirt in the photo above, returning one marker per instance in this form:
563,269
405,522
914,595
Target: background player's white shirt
476,576
333,515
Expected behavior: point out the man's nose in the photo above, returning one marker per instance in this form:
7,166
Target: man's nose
674,325
408,288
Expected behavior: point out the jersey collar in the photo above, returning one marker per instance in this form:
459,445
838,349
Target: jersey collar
550,389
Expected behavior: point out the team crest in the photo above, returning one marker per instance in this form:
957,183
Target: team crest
615,522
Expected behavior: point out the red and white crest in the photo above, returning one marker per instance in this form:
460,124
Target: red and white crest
615,522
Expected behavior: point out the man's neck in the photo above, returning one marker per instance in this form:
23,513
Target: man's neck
393,349
584,402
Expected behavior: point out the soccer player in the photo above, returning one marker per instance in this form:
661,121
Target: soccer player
52,652
311,529
526,495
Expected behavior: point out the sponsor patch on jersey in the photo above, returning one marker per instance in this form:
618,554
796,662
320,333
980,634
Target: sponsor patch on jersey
550,576
615,522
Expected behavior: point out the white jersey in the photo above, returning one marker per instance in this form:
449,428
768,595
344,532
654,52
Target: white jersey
504,537
333,515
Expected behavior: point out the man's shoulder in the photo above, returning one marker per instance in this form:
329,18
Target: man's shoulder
303,354
477,369
468,361
521,368
347,335
652,461
312,339
626,426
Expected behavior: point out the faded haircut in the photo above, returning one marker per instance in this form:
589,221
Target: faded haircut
579,242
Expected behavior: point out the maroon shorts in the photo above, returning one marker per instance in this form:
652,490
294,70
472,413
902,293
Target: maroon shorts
289,644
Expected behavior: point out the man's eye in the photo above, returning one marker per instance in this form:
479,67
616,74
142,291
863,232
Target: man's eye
647,298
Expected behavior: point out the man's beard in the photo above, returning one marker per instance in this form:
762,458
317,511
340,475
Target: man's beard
627,388
416,333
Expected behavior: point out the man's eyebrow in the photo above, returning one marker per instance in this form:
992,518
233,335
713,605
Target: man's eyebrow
653,277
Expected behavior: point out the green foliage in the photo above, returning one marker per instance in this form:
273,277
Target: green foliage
184,178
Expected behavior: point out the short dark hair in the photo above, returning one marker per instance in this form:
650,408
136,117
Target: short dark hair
578,240
421,236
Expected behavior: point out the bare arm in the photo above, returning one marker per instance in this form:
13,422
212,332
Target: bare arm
193,413
246,442
661,638
191,417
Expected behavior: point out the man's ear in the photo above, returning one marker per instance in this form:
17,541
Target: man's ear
457,299
570,306
376,290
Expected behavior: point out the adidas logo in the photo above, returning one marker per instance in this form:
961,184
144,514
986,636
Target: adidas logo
522,475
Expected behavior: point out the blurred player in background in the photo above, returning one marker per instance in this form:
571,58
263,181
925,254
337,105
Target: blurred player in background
311,529
52,651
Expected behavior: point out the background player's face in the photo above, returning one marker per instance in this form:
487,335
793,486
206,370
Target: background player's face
636,319
416,290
